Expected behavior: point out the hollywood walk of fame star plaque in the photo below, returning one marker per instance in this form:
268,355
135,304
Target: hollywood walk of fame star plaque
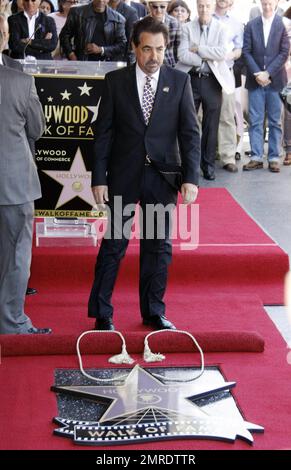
142,408
70,101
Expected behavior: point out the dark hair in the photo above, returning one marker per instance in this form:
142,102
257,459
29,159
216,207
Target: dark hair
288,13
50,4
148,24
60,5
178,3
14,7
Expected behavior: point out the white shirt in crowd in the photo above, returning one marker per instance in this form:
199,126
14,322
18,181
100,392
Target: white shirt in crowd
267,24
31,24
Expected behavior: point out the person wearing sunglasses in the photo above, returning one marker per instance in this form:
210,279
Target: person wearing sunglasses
32,33
158,10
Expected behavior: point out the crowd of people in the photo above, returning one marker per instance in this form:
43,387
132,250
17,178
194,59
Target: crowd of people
220,56
220,53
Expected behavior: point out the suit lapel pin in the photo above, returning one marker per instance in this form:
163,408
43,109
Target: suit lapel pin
166,89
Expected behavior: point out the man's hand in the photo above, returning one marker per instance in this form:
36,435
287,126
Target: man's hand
25,40
48,36
189,193
233,55
263,78
100,194
194,48
92,48
72,56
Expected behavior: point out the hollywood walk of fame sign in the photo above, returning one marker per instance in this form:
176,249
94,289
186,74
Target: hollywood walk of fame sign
143,408
63,154
76,182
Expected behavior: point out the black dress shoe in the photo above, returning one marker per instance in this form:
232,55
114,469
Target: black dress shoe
31,291
159,323
39,331
208,176
104,325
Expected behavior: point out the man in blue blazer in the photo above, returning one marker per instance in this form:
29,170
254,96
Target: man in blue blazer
139,147
140,8
265,50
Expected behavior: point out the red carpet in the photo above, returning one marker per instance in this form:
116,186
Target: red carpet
234,256
220,323
262,393
215,292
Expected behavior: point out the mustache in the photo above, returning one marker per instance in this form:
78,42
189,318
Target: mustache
152,62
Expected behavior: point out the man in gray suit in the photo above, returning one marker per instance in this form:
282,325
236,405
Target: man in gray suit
13,64
21,120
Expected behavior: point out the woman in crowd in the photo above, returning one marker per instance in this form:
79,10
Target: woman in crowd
60,18
46,6
180,10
